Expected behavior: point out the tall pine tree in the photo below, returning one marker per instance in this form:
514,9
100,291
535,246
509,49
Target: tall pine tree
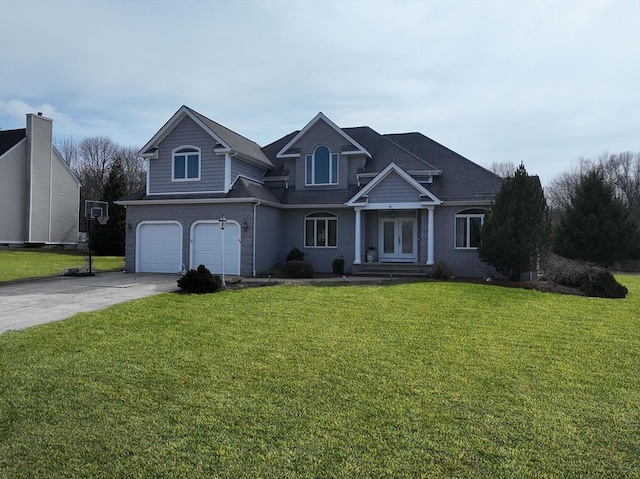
516,232
109,238
596,225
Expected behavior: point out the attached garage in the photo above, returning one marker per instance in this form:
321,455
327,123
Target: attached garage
206,246
159,247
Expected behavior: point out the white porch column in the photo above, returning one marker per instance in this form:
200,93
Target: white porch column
357,253
430,235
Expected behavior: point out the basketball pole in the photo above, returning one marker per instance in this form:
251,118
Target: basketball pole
90,241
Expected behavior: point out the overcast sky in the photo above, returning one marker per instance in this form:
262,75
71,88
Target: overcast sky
539,82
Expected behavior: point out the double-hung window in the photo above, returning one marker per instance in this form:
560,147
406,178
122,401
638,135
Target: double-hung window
322,167
468,224
186,164
321,230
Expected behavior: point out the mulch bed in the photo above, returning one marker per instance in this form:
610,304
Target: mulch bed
543,286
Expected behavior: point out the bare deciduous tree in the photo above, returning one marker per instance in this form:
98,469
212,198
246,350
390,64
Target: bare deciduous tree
91,160
622,170
503,169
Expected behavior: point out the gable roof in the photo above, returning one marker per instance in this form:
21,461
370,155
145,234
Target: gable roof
284,151
225,138
461,179
393,168
10,138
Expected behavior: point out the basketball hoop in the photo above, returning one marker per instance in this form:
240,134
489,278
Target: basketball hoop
102,219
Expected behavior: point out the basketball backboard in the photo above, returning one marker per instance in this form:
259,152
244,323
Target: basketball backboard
96,209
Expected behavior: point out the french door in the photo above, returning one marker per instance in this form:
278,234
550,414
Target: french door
398,239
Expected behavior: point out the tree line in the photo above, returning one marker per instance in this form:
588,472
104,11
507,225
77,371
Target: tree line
107,171
597,209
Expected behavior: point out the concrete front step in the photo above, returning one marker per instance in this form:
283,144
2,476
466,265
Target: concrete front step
394,269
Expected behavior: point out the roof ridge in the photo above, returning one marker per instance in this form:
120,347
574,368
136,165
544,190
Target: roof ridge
222,126
409,152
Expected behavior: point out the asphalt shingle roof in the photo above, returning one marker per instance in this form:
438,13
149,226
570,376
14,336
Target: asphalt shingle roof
233,139
461,179
10,138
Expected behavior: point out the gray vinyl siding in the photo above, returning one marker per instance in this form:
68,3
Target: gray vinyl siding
241,168
269,239
393,189
463,263
212,166
320,258
13,195
65,200
39,137
321,134
186,215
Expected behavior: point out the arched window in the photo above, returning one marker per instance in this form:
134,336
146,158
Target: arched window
468,224
322,167
185,164
321,230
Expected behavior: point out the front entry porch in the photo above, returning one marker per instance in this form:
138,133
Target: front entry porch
395,235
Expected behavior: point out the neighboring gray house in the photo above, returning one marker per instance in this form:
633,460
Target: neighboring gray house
39,195
329,191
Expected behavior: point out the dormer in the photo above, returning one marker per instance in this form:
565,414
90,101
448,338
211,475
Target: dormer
321,152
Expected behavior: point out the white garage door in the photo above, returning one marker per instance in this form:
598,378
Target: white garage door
159,248
206,247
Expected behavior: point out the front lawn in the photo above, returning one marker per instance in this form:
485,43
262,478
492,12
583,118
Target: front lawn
25,263
413,380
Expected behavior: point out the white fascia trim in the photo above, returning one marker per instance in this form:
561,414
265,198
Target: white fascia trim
395,206
246,178
425,172
275,178
6,153
221,192
172,123
301,133
392,167
196,201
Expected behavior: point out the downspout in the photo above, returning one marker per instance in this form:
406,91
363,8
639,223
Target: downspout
255,207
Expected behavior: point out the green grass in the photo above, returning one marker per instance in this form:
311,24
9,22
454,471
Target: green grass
25,264
414,380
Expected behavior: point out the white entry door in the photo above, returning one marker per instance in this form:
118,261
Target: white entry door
206,247
398,236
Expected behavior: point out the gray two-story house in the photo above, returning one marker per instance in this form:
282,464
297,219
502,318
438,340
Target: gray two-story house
329,191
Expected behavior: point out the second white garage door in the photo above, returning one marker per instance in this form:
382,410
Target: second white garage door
206,247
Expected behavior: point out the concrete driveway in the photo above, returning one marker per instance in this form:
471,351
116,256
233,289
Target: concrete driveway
37,302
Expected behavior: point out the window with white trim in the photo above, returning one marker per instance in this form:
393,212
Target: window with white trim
185,164
321,230
468,224
321,167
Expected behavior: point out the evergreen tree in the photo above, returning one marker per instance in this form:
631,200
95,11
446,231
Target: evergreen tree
516,232
109,238
596,225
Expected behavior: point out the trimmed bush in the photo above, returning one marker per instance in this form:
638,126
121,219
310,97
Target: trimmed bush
592,280
440,270
338,266
200,281
297,269
295,255
602,284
